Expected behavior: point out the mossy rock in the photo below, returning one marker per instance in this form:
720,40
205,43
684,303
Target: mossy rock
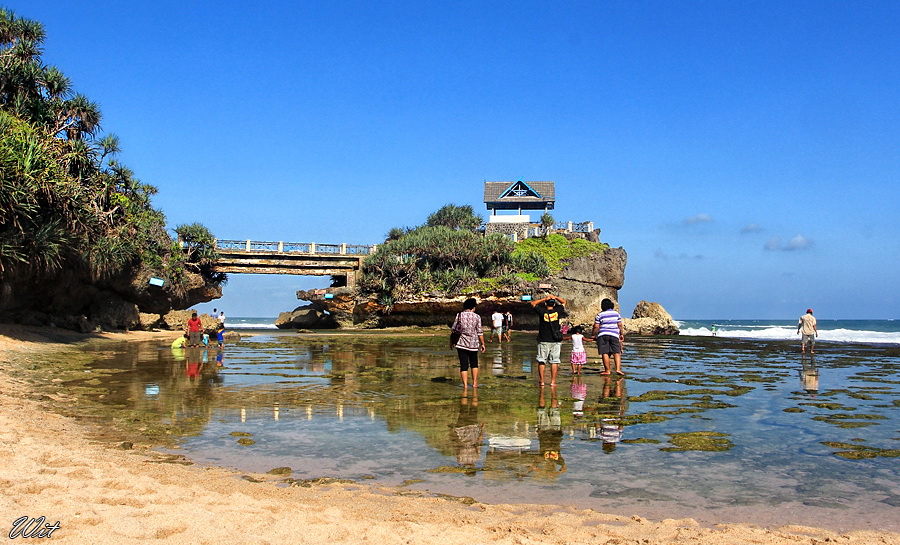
709,441
860,452
453,469
280,471
243,441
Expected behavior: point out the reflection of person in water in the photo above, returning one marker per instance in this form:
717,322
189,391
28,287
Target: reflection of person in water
611,408
579,394
809,375
192,365
467,434
549,430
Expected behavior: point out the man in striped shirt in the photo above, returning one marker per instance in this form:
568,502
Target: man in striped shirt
609,331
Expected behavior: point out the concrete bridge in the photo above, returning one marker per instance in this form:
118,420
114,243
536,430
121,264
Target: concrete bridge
301,258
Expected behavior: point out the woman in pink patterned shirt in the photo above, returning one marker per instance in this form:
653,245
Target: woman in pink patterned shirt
471,341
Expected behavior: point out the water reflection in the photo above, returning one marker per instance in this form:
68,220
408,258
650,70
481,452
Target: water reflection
549,432
809,374
467,433
392,408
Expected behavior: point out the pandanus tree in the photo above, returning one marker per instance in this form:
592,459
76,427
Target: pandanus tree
66,202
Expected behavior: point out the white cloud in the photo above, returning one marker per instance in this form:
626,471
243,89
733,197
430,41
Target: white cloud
797,243
699,218
773,244
751,228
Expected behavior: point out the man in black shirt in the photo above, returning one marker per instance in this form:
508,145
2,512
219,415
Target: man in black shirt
549,309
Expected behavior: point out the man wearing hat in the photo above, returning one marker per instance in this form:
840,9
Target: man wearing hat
809,332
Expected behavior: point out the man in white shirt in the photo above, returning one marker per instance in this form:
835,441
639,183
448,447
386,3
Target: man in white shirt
496,327
809,331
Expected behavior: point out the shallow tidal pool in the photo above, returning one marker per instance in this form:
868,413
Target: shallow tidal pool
720,430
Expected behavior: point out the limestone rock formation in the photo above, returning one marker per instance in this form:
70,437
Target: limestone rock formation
650,319
586,281
77,302
305,317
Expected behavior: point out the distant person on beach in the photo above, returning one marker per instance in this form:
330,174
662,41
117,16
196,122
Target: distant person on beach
180,342
220,335
609,332
579,356
549,310
194,328
496,326
471,340
507,324
807,327
221,318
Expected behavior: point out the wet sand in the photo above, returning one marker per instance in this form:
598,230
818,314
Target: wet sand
55,467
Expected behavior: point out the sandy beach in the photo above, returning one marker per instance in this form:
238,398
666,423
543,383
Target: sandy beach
81,489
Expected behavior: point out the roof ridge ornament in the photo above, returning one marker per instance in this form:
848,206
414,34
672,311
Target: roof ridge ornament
520,189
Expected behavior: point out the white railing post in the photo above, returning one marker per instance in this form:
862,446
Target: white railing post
569,227
280,247
312,247
343,248
248,245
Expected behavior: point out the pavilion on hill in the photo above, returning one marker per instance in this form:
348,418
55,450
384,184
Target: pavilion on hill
518,196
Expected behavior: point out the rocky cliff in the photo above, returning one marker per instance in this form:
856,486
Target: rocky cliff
127,301
584,283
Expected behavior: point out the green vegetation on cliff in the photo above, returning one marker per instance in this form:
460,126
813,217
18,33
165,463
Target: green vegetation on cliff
557,250
447,255
69,208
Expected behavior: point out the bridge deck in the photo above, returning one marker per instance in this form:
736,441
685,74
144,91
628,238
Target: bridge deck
307,258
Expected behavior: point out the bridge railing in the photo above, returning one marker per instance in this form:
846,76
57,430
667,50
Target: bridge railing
294,247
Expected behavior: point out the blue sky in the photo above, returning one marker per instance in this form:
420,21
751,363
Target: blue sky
746,155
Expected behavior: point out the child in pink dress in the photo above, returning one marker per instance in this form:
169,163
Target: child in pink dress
579,355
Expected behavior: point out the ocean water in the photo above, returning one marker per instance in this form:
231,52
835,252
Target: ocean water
719,428
844,331
847,331
243,322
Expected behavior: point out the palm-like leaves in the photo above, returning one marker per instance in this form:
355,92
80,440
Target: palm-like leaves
65,203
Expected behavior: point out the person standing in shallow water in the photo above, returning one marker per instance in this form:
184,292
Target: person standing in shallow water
550,310
507,324
609,333
808,330
471,341
194,329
